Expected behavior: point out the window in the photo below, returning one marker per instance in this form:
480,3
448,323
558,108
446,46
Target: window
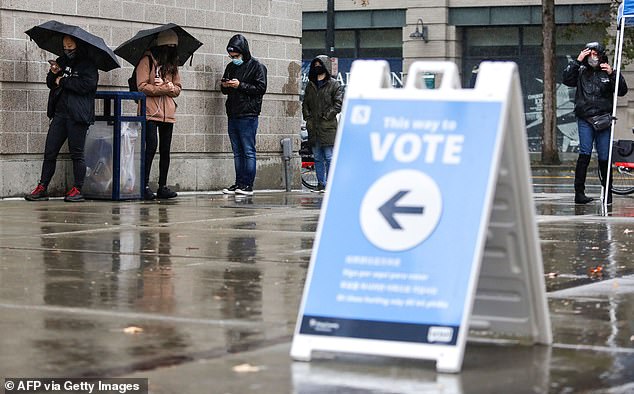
356,44
523,45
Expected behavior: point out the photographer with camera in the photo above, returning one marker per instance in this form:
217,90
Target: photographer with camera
595,81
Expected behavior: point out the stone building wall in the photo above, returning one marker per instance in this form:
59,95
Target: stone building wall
202,158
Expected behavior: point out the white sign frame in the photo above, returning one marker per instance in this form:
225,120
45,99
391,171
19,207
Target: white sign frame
507,272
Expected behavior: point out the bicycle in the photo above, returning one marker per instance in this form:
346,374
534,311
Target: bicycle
623,167
308,174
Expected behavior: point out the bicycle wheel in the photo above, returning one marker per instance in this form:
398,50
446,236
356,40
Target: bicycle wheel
309,176
623,178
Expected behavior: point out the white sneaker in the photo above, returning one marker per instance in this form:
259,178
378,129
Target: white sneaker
230,190
244,190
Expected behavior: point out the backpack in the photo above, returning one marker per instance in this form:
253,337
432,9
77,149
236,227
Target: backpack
132,86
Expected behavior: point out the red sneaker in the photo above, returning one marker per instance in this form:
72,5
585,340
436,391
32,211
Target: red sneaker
74,195
38,194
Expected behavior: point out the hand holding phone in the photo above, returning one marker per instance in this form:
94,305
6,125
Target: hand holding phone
54,66
230,83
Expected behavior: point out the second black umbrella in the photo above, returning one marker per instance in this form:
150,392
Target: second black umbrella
133,49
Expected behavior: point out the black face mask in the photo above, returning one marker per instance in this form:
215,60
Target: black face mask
70,53
165,54
319,70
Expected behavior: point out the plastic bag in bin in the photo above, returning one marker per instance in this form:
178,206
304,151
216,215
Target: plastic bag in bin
129,135
99,165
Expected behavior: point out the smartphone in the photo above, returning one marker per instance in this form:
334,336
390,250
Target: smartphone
225,80
54,66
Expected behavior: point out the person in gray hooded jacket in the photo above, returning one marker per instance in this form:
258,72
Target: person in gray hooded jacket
323,99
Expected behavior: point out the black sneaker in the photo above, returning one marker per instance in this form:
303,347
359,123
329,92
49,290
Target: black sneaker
244,190
148,194
230,190
320,189
74,195
38,194
164,192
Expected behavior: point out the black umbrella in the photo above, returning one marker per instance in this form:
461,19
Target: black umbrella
133,49
49,35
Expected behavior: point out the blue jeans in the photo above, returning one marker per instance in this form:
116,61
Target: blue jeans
242,136
588,137
322,155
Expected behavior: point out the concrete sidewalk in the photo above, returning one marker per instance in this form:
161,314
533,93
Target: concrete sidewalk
182,292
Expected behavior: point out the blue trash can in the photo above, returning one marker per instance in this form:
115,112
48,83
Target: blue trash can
115,148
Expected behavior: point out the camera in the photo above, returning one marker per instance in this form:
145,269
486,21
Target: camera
596,47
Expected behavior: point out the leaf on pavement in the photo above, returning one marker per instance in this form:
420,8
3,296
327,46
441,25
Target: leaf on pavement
244,368
133,330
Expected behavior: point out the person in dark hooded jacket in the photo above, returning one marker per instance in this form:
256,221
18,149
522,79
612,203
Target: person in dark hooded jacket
72,80
595,81
323,99
244,83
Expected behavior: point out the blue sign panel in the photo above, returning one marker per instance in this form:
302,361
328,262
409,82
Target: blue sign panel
403,220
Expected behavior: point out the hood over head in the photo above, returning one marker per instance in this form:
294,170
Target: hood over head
603,57
239,43
323,60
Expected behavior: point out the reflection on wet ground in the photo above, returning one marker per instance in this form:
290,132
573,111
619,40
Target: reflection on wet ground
202,270
208,281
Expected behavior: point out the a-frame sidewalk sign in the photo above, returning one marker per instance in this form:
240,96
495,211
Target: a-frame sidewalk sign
427,230
625,18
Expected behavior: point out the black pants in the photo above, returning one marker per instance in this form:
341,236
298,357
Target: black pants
60,130
164,138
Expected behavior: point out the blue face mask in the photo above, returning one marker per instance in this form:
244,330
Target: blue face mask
237,62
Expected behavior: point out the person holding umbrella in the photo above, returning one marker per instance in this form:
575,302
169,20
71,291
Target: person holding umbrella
157,76
72,80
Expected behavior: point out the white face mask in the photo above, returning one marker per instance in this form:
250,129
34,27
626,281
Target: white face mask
593,61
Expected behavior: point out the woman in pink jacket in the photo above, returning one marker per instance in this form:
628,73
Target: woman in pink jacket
157,77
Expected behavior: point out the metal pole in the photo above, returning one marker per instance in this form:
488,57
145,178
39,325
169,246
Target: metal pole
330,28
287,153
619,54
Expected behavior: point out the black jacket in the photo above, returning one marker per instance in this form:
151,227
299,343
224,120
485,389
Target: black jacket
246,99
595,88
322,102
75,96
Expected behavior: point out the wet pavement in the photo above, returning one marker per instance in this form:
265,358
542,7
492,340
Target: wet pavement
183,291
